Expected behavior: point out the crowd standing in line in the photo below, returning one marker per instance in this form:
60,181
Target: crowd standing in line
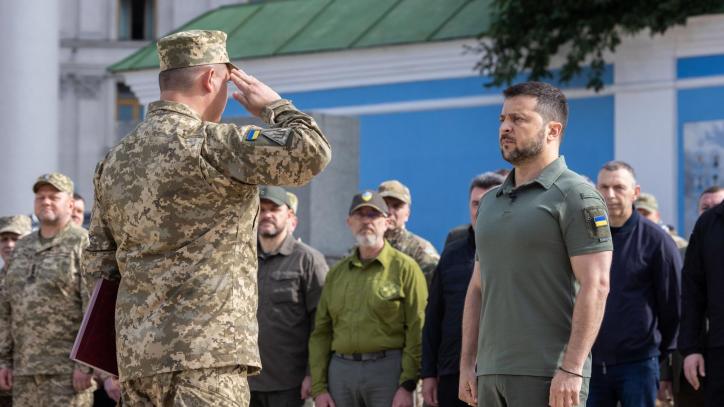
559,292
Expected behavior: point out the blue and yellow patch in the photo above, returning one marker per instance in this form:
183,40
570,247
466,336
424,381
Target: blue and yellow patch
600,221
252,134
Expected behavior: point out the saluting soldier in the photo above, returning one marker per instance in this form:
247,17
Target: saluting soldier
175,219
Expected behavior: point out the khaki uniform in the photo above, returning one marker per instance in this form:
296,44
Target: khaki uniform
422,251
40,313
175,219
224,387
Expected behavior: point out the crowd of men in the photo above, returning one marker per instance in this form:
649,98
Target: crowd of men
560,291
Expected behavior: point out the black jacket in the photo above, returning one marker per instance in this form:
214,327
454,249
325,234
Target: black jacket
703,284
442,333
642,309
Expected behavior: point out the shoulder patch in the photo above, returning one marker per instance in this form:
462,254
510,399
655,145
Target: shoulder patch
267,136
596,220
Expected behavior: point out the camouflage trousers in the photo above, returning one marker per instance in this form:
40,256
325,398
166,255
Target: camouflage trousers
225,386
49,390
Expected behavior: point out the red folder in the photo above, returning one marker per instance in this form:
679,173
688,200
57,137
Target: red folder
95,344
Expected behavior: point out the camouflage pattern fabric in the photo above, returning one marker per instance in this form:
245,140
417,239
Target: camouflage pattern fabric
19,224
41,303
224,387
49,390
175,218
192,48
59,181
422,251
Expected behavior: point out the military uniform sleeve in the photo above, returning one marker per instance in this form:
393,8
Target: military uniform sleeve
99,259
584,222
290,152
6,339
320,345
415,289
427,258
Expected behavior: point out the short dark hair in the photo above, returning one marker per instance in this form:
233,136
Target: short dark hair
616,165
181,78
486,180
712,190
551,102
78,197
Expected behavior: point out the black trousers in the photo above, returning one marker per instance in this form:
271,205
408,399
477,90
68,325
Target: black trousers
447,391
714,382
282,398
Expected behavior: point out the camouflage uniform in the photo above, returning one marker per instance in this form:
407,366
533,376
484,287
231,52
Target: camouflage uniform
416,247
175,219
41,309
405,241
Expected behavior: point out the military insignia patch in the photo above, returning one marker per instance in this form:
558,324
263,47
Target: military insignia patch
366,196
252,134
390,291
597,222
279,136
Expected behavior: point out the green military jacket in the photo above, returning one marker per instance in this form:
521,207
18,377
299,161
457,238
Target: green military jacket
41,304
422,251
370,307
175,218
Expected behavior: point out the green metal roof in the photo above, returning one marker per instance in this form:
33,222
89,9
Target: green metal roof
283,27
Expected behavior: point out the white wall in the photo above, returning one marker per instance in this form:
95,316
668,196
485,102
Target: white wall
29,104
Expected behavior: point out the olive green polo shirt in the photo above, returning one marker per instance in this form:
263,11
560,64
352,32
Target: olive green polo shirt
525,236
370,307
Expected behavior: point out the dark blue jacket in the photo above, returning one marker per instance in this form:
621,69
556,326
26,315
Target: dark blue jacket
442,333
642,309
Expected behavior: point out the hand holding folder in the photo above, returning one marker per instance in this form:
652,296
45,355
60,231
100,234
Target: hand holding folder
95,344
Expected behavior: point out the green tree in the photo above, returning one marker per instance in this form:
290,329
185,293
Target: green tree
525,34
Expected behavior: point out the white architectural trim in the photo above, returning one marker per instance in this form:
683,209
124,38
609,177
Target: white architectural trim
342,69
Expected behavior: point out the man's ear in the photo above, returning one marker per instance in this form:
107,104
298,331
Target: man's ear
555,130
207,80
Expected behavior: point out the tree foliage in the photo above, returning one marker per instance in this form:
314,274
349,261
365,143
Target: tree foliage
525,34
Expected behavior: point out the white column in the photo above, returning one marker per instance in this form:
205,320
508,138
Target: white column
645,117
29,106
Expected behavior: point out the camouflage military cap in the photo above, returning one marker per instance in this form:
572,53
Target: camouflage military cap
370,199
20,225
278,195
192,48
57,180
293,201
647,202
395,189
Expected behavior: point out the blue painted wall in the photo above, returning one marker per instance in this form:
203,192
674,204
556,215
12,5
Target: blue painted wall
437,152
695,105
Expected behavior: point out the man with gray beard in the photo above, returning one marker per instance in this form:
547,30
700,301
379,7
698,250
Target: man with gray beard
365,350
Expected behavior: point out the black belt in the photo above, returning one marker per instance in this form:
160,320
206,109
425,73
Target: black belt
362,357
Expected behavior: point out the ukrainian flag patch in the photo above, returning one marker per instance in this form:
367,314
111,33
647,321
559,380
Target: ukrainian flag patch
252,134
600,221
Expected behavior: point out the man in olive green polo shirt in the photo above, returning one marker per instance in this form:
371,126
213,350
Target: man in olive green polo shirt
365,350
538,291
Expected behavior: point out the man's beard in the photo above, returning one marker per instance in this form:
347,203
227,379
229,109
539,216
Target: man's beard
526,153
272,232
367,240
